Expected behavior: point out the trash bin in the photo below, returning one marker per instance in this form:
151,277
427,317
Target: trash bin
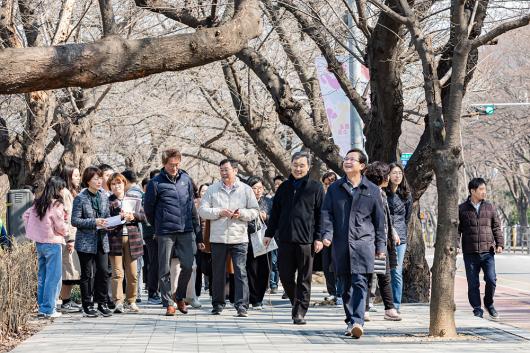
18,201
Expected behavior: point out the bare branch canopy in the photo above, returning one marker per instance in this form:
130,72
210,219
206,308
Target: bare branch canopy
115,59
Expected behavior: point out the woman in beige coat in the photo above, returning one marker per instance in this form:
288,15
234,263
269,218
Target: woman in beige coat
71,266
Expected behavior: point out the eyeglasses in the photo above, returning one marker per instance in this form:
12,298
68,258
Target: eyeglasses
350,159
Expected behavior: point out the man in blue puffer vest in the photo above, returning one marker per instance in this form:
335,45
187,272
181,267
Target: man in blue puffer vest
169,207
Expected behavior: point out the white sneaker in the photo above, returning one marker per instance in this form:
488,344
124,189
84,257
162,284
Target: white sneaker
348,330
119,309
339,301
330,298
366,316
55,315
132,307
392,315
195,303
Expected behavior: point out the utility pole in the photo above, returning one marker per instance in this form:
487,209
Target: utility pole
356,129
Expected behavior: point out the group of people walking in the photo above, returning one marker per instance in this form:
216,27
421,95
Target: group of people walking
96,236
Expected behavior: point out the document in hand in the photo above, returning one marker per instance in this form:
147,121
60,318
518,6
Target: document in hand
257,242
131,204
112,222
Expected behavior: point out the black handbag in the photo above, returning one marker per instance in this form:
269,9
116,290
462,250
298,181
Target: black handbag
380,266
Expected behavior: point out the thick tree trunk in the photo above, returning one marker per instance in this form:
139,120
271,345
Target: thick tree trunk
384,127
76,138
416,272
115,59
442,321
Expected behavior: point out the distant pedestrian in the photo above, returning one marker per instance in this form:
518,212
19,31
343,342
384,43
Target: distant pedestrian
295,217
229,204
151,245
274,277
400,206
46,224
353,219
480,231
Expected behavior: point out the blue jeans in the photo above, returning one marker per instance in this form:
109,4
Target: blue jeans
397,275
355,291
475,262
49,276
275,275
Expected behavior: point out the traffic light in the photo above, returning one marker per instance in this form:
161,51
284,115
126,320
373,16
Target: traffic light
489,109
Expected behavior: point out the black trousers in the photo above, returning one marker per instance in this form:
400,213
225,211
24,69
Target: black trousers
95,277
292,258
152,266
329,274
198,274
258,270
385,289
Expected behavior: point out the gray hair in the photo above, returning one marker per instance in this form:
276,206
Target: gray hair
301,154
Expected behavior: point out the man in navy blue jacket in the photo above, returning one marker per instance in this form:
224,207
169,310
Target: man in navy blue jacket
353,219
170,208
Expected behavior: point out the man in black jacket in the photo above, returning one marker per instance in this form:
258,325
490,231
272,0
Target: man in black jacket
295,216
480,230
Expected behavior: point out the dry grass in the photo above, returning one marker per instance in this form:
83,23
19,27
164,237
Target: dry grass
18,288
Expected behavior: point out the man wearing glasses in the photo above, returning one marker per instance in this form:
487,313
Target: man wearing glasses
353,219
229,204
295,216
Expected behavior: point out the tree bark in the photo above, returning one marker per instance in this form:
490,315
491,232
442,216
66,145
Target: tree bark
290,111
114,59
386,91
257,128
416,272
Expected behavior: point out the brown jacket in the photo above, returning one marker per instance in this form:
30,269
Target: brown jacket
133,232
479,232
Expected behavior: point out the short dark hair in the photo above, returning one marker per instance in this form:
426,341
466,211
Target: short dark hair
328,175
301,154
170,153
104,167
130,175
253,180
475,183
278,177
154,173
233,163
363,158
145,181
89,173
377,172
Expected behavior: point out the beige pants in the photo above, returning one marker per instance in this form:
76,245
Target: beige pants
119,264
174,271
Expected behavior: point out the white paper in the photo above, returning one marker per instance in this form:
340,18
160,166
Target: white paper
112,222
131,204
257,242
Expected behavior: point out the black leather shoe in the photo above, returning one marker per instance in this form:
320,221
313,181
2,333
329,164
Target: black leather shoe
478,313
493,313
299,321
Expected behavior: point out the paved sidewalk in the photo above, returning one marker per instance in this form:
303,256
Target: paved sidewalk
268,331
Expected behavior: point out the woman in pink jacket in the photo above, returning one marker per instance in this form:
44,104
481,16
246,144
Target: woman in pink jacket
46,225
